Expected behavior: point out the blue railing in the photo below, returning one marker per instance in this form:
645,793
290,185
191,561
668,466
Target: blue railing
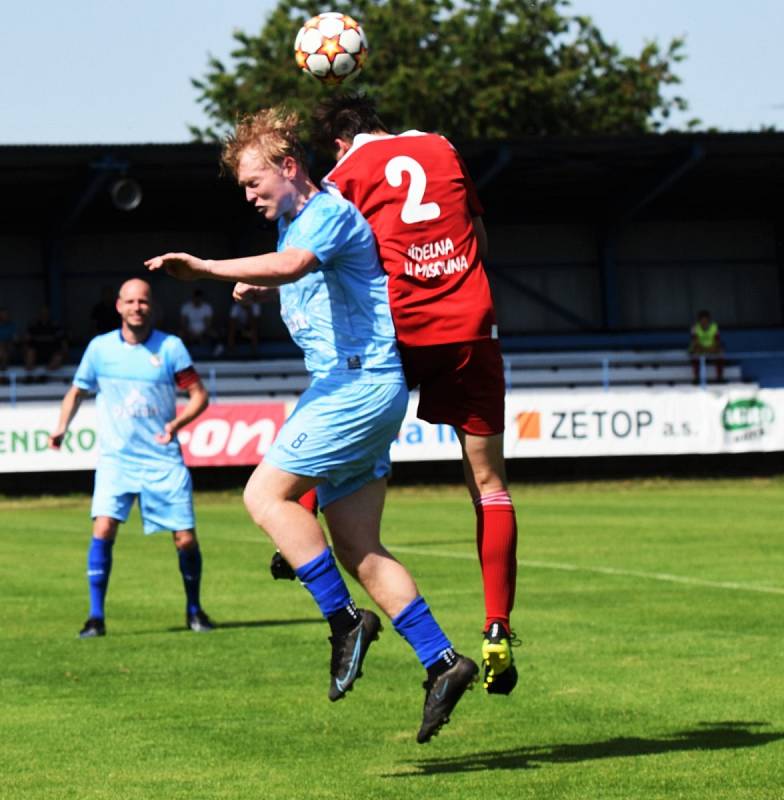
606,365
13,385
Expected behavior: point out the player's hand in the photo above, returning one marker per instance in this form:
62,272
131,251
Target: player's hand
56,440
246,293
182,266
166,436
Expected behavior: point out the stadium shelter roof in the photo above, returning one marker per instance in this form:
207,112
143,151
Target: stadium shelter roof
45,189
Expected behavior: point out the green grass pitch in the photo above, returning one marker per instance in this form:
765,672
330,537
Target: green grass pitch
651,616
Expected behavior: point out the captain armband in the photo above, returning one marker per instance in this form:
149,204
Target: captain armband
185,378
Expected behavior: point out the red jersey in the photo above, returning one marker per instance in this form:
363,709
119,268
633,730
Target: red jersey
416,194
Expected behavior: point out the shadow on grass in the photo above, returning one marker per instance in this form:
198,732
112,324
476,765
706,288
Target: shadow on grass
255,623
728,735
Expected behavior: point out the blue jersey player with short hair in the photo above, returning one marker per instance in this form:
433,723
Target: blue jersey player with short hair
136,371
334,302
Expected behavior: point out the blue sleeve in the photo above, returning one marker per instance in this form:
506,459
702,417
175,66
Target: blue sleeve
86,376
177,356
324,230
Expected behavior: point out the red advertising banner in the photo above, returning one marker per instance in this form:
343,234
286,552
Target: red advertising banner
235,434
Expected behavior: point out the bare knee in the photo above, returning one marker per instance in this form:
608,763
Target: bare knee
483,460
257,503
105,528
185,540
489,480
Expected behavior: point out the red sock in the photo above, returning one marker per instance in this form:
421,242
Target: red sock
309,500
496,542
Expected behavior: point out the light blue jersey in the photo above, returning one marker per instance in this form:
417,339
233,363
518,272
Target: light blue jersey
136,389
339,312
339,315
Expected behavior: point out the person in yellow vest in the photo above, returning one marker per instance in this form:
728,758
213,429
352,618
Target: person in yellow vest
706,341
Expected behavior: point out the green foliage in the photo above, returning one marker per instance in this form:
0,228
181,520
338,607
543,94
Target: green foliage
471,69
651,628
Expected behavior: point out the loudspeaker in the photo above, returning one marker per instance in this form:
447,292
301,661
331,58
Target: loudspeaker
126,194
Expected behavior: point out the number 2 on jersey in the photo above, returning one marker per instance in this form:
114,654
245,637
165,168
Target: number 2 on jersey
414,210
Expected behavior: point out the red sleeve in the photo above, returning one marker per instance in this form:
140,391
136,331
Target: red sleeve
185,378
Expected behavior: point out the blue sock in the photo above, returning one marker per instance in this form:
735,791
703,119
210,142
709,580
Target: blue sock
99,567
417,625
323,580
190,568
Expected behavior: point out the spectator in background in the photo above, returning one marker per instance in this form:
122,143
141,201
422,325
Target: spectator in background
244,319
7,337
196,322
706,341
45,346
104,314
196,319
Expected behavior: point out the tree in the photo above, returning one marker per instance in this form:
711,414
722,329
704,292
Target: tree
469,69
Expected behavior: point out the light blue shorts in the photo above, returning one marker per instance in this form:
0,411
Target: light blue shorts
165,494
340,431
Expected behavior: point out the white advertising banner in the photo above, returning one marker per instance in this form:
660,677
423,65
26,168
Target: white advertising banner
24,434
539,424
644,422
619,422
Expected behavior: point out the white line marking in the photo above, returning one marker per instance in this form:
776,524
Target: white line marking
623,573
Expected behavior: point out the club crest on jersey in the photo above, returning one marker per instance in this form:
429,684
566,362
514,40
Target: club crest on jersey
156,360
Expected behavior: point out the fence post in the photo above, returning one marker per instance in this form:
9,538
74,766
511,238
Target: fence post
507,372
703,372
213,384
606,373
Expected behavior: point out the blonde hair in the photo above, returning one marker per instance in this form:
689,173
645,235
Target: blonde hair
270,133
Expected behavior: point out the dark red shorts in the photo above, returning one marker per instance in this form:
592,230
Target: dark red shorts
460,384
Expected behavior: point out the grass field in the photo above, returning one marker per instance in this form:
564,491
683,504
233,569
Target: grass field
652,663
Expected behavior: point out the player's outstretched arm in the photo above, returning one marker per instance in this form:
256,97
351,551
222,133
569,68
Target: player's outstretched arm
68,408
269,269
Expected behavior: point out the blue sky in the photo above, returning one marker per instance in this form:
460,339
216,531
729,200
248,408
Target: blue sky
107,71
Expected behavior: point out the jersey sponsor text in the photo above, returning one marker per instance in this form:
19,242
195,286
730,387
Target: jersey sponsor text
421,267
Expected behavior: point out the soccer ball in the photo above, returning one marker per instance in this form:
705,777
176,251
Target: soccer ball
331,46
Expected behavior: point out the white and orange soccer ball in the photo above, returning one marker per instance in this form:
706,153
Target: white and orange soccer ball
331,47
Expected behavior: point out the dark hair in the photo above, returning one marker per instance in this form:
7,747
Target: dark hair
703,313
343,116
